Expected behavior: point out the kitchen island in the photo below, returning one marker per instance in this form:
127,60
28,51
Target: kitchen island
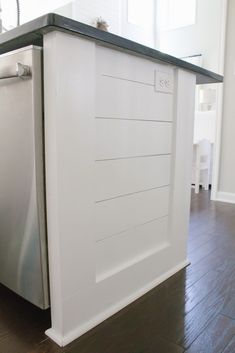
118,133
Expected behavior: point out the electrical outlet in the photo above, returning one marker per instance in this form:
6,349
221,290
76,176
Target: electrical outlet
164,81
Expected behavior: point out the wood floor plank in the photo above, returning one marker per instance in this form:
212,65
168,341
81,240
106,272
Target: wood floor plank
47,346
210,246
215,337
229,306
135,340
230,347
214,260
183,327
22,324
200,239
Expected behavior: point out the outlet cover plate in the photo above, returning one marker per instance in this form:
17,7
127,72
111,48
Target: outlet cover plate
164,81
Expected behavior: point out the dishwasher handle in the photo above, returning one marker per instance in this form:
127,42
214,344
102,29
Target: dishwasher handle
21,71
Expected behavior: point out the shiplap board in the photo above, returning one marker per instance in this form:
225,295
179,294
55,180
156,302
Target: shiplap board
123,176
118,252
117,98
118,64
119,214
126,138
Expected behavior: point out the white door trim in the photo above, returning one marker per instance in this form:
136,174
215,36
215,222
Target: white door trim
219,112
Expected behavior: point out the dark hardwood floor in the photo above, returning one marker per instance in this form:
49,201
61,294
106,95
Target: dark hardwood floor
192,312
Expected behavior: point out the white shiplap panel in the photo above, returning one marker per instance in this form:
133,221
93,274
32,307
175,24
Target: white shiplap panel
127,138
78,302
119,214
117,98
118,64
123,176
117,253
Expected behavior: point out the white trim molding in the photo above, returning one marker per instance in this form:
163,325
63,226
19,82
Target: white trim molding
219,110
228,197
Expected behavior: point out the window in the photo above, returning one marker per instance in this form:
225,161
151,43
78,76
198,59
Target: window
141,12
176,13
8,14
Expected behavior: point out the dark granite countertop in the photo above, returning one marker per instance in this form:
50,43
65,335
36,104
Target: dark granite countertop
32,33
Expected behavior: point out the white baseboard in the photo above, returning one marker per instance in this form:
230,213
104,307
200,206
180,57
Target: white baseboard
55,336
225,197
79,331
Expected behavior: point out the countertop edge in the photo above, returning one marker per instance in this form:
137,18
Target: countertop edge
32,33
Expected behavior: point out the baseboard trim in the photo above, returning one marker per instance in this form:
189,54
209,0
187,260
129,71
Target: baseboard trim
54,336
225,197
79,331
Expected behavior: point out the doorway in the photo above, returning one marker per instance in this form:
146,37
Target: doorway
198,36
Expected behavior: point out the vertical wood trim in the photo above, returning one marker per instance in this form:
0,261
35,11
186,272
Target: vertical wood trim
182,161
219,110
69,157
50,106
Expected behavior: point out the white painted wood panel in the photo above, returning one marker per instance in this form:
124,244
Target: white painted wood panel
117,253
182,165
123,176
126,138
129,67
74,139
118,64
119,98
69,151
122,213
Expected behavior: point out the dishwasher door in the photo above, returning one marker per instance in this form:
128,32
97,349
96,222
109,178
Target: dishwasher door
23,250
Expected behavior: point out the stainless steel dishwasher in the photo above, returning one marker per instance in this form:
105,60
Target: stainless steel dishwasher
23,250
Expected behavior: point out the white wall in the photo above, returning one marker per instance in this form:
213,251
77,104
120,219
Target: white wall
201,38
204,125
82,10
227,169
30,9
138,22
87,10
114,12
35,8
